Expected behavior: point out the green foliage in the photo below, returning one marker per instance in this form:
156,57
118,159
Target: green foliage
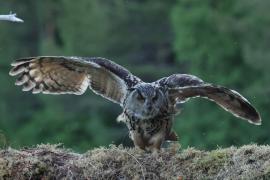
224,42
216,40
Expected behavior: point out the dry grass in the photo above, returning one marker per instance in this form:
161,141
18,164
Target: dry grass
55,162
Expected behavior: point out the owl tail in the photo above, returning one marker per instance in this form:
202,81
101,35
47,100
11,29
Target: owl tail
228,99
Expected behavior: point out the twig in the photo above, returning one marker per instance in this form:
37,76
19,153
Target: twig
141,166
10,17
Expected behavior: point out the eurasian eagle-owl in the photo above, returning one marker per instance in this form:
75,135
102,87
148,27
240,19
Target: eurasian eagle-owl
148,108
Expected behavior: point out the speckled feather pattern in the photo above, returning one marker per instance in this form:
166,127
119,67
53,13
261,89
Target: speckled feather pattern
72,75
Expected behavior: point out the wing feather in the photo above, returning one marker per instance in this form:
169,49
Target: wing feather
72,75
229,100
179,80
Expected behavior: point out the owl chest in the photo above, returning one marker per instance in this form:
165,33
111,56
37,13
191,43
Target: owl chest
146,128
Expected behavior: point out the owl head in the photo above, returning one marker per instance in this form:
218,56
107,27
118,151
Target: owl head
145,101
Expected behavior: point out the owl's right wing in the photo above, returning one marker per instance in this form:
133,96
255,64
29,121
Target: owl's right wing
72,75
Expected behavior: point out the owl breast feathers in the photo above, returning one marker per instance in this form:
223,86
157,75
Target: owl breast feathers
148,108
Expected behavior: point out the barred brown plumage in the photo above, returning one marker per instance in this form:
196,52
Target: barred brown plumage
148,108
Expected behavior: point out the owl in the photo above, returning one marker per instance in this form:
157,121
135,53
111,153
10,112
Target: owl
148,108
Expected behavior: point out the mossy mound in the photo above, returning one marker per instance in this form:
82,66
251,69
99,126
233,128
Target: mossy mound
55,162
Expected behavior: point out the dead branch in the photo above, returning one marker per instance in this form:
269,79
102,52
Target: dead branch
10,17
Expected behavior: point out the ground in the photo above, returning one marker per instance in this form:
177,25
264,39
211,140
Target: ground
56,162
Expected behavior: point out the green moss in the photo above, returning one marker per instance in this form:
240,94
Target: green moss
213,161
4,168
55,162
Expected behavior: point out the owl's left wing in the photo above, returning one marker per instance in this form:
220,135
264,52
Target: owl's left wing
179,80
228,99
72,75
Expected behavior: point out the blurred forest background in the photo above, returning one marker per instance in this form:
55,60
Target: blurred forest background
224,42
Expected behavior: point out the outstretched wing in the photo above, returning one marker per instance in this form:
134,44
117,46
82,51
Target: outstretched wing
72,75
229,100
179,80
